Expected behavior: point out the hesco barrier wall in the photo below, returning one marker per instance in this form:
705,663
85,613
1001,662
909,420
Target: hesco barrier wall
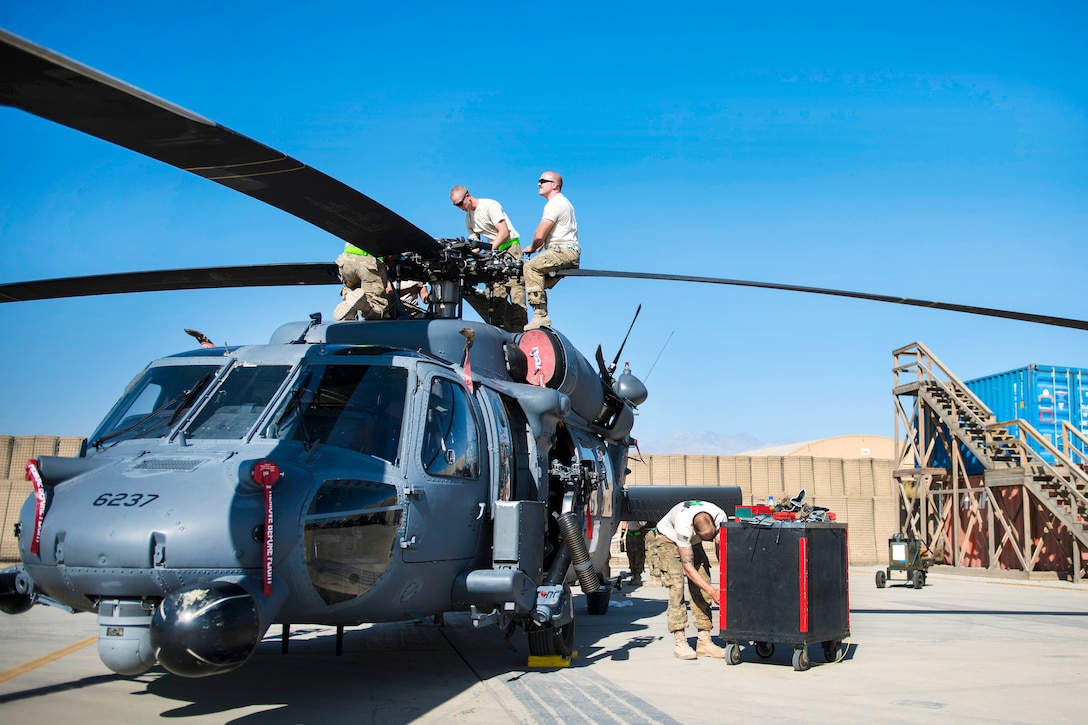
860,491
14,488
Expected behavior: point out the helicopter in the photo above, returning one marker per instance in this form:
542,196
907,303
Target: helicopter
342,473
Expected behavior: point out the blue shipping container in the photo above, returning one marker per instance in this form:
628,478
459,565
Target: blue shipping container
1041,395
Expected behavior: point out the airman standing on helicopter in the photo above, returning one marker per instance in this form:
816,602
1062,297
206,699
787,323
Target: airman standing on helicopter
486,218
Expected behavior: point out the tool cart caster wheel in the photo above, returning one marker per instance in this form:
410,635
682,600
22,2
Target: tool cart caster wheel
800,659
732,653
881,579
832,650
918,579
765,649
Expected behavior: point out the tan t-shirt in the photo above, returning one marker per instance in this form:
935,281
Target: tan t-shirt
561,211
677,525
484,221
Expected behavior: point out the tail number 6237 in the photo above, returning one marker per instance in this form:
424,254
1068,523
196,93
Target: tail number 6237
125,499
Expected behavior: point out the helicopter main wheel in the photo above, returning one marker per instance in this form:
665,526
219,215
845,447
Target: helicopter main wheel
550,640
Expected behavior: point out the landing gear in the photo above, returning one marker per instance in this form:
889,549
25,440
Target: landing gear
550,641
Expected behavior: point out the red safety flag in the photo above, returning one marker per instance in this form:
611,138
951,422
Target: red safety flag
468,371
34,476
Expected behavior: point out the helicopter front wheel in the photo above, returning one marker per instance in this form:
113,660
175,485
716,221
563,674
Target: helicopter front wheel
550,640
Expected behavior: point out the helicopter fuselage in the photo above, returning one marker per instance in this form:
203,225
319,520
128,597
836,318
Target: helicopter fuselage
341,474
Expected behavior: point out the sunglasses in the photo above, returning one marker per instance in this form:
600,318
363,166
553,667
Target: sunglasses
458,204
545,181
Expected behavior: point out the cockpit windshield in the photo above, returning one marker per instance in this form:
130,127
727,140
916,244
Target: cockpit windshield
237,402
154,403
356,407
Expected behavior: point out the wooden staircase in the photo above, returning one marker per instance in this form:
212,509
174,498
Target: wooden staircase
946,425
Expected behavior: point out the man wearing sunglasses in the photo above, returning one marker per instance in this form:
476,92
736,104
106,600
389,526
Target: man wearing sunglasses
556,240
486,218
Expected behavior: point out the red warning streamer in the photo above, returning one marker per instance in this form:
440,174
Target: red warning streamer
265,474
34,476
268,538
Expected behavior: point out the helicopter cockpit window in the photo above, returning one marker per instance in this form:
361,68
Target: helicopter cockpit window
238,401
356,407
154,402
451,439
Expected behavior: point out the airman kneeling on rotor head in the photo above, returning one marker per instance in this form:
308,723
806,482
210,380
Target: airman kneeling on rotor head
365,281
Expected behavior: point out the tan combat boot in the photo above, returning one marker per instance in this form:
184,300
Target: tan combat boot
540,318
354,301
706,648
538,300
683,650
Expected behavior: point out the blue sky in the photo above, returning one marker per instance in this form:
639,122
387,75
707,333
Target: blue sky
929,150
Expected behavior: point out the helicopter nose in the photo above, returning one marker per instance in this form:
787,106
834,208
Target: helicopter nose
206,629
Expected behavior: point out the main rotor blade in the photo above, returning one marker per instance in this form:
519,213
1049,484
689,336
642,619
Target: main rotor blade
59,89
987,311
268,275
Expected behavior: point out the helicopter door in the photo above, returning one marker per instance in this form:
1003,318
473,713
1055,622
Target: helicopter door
447,506
501,449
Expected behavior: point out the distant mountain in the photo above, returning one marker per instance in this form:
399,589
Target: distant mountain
706,443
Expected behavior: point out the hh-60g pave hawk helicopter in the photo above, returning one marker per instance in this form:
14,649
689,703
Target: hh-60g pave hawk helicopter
343,473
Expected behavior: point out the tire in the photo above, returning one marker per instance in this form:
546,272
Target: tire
549,640
918,579
832,651
800,659
881,579
732,653
765,649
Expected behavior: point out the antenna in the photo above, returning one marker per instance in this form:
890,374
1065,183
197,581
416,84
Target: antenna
616,360
659,355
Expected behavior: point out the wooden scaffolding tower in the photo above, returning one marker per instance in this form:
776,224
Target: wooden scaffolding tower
980,493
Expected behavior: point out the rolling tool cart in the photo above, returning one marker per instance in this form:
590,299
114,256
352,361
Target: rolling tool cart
786,582
905,555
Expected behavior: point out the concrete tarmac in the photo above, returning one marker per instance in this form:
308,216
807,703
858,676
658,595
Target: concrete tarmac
962,649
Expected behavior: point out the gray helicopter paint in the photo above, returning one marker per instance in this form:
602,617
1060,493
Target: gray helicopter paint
181,512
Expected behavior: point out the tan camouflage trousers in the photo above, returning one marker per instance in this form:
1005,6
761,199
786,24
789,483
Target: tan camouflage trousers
535,272
665,556
508,298
367,274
